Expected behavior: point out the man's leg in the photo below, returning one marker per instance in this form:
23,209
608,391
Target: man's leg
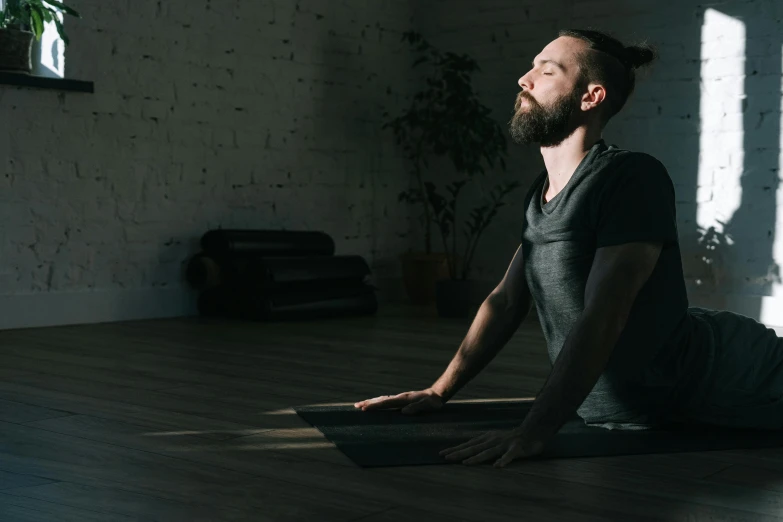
746,386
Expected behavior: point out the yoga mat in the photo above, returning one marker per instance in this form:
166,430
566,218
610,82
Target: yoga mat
222,242
216,302
389,438
203,272
286,270
341,301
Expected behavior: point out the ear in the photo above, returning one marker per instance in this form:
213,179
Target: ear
593,97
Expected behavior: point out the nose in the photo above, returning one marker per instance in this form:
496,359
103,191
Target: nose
525,83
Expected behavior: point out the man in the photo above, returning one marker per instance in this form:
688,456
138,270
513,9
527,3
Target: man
600,256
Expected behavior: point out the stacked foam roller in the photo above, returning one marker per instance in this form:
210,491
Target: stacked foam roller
278,275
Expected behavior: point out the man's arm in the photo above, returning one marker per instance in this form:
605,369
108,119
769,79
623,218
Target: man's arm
496,321
617,275
500,315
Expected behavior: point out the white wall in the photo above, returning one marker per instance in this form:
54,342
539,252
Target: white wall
206,114
267,115
709,109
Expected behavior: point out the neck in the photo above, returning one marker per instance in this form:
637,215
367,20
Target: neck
562,160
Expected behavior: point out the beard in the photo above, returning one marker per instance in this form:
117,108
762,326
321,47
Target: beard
548,126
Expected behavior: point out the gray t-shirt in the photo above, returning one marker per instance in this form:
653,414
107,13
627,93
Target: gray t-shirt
617,196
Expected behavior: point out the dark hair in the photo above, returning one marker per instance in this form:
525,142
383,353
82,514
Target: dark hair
612,65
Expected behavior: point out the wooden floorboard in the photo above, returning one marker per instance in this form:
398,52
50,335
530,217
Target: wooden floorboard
191,419
15,508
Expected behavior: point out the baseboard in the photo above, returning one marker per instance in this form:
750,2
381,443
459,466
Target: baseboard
44,309
100,306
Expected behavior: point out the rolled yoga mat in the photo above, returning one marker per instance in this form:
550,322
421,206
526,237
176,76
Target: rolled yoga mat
389,438
241,302
222,242
268,273
203,272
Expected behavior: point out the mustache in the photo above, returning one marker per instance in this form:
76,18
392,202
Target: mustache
527,96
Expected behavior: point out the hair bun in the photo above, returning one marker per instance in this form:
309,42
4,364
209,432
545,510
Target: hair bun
638,55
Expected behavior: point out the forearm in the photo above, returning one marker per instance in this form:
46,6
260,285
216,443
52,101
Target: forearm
492,328
584,356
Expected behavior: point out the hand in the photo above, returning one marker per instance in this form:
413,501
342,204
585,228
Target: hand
410,402
505,446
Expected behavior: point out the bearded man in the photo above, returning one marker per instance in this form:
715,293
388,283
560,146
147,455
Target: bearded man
600,256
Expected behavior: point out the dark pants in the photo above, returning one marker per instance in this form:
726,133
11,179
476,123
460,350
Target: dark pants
745,385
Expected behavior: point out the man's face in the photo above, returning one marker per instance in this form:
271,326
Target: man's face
548,109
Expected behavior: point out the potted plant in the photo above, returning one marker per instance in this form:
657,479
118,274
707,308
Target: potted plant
445,119
20,22
455,295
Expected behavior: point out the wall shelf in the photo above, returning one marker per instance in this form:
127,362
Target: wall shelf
41,82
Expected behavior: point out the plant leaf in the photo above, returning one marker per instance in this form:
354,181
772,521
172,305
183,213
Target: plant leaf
63,7
37,22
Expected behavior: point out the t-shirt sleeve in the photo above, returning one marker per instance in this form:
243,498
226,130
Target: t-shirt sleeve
637,205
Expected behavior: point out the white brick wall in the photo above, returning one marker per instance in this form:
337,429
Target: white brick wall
706,147
238,114
261,114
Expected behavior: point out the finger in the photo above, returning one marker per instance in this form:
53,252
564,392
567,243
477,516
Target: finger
384,401
518,451
471,451
471,442
485,455
360,403
373,400
464,445
513,453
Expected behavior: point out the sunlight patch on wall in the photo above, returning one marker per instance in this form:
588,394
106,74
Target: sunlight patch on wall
771,312
777,245
721,148
49,53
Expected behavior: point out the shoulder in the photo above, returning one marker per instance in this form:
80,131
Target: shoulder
632,178
646,161
618,157
636,167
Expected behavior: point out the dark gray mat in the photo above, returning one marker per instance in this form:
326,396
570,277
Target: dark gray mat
389,438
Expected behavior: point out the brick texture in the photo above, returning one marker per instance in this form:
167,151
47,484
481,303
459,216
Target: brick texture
709,109
206,114
267,114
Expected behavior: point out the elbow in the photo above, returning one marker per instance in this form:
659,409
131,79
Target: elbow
608,321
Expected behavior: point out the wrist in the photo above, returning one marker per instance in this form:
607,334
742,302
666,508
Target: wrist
440,391
536,428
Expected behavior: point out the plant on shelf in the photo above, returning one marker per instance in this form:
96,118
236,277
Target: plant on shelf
30,15
21,21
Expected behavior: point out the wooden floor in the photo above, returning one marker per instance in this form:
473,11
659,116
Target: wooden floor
191,420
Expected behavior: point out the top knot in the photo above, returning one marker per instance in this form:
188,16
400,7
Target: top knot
636,56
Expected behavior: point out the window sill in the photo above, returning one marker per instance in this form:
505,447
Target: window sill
41,82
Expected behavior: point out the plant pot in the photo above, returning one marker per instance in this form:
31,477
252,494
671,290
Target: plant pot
420,272
455,298
16,50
